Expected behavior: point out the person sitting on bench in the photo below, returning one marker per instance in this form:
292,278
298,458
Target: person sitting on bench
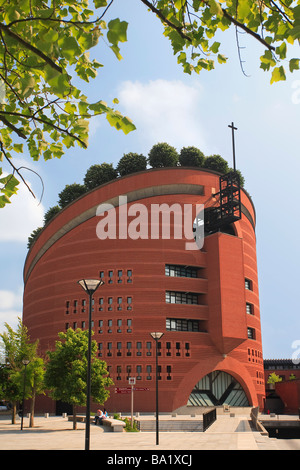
98,417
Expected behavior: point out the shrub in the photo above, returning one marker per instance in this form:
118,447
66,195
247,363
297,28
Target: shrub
51,213
191,156
216,163
163,155
131,163
70,193
99,174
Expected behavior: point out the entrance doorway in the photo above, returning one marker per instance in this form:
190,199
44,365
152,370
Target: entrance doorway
218,388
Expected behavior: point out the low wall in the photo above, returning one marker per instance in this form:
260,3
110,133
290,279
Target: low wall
256,423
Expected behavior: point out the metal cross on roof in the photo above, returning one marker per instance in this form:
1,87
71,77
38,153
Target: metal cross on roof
233,144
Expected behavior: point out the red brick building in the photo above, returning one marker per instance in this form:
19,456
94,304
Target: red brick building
283,397
205,301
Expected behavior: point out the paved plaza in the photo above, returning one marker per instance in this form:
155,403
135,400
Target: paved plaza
56,433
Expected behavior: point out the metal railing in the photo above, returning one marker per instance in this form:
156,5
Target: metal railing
208,418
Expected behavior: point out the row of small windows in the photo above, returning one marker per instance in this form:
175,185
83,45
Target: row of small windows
176,270
100,323
283,367
259,378
116,275
255,356
139,372
172,324
120,302
130,348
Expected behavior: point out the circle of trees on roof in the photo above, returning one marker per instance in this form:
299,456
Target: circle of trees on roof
161,155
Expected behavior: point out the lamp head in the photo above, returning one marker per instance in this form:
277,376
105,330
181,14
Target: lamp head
156,335
90,285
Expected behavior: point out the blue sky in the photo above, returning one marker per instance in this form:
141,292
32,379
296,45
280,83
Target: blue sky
167,105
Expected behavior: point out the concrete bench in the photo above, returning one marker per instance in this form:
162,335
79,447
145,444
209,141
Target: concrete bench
115,425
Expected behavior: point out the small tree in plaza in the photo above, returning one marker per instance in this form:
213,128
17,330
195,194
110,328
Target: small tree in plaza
16,347
66,373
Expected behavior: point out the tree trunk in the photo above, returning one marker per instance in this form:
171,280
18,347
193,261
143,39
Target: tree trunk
32,405
74,418
13,413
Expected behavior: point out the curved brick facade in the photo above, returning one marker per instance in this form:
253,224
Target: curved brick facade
219,282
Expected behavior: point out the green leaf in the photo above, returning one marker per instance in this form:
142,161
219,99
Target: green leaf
281,50
215,7
278,74
295,32
215,47
222,59
117,31
69,48
294,64
100,3
179,4
244,8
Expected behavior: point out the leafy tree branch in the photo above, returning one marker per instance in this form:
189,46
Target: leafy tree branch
41,42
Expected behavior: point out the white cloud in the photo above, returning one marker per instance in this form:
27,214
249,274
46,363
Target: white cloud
165,111
10,308
19,218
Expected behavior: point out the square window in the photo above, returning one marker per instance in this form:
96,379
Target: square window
251,333
249,309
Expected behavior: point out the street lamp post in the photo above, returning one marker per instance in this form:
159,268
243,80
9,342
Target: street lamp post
25,362
89,286
156,336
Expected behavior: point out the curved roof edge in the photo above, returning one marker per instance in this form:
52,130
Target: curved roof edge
183,187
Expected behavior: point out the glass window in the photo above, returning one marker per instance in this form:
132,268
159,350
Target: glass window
182,324
181,271
251,333
181,297
249,309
